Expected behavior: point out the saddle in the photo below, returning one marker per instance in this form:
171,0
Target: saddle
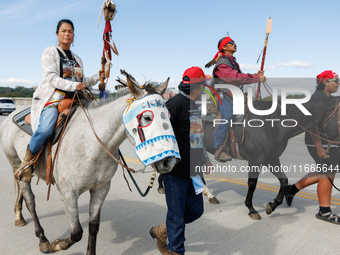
23,121
23,118
230,144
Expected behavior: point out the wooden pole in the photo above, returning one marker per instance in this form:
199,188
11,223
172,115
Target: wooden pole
268,31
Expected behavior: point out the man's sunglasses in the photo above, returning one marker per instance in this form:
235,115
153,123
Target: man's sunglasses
336,80
231,42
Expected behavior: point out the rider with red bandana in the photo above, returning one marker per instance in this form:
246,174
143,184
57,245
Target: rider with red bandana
227,71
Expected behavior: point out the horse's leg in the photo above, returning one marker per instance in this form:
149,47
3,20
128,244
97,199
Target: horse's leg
19,218
270,207
70,202
160,189
211,198
252,181
15,161
96,202
30,203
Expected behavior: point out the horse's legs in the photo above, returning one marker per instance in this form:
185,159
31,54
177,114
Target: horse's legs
211,198
19,218
30,203
283,185
160,185
252,181
96,202
70,202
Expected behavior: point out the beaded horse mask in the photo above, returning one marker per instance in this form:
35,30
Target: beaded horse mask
147,122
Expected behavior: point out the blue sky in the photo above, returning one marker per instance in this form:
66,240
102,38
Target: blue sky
157,39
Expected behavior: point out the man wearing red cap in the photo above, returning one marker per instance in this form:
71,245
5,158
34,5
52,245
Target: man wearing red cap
228,71
183,185
327,83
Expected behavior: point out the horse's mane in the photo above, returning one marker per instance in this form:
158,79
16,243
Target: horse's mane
120,93
317,104
101,102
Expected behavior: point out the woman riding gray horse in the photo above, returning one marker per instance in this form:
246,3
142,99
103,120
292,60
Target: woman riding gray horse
83,165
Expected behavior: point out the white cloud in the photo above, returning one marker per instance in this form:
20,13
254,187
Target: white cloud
295,63
13,82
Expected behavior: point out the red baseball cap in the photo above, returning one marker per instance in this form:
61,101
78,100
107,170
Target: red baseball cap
325,75
194,74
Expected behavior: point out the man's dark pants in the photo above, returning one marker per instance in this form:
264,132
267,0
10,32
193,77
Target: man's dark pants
184,206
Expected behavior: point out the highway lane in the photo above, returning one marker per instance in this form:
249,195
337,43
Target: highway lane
223,229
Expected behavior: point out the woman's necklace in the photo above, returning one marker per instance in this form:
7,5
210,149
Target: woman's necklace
75,76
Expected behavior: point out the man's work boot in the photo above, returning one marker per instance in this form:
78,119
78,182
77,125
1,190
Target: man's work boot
174,253
222,156
25,175
159,232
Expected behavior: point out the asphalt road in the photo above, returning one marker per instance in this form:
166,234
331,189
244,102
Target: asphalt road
223,229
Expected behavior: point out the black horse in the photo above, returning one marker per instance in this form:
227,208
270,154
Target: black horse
262,146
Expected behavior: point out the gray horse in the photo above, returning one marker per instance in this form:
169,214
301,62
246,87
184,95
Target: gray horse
81,163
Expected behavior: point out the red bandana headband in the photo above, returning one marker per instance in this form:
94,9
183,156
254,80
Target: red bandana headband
325,75
223,43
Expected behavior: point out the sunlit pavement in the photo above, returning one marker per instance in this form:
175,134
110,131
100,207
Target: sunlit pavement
224,228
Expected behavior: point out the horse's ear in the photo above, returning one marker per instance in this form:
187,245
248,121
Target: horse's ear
162,88
134,88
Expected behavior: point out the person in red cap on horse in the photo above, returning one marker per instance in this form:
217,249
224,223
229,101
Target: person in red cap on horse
183,185
327,83
227,70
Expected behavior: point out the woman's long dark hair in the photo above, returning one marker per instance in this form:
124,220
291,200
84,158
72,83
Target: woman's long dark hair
64,21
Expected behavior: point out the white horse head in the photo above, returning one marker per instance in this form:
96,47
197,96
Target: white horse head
147,123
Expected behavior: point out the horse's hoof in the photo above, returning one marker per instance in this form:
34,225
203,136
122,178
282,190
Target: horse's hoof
44,247
213,200
269,210
161,191
20,223
55,247
255,216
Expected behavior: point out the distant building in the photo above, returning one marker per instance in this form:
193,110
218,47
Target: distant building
170,93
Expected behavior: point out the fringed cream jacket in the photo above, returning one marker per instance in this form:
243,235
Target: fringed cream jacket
51,80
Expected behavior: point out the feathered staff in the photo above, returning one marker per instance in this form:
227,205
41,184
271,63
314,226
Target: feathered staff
109,9
268,31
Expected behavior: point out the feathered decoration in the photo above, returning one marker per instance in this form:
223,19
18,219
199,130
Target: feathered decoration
213,62
109,10
127,75
121,83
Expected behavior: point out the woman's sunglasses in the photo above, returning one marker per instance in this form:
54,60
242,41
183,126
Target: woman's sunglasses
336,80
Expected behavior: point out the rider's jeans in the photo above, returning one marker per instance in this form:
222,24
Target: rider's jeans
48,119
184,207
226,110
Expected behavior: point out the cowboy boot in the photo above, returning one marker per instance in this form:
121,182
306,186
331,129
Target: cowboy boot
26,175
159,232
222,156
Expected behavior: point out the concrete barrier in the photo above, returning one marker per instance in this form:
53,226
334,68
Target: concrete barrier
22,101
